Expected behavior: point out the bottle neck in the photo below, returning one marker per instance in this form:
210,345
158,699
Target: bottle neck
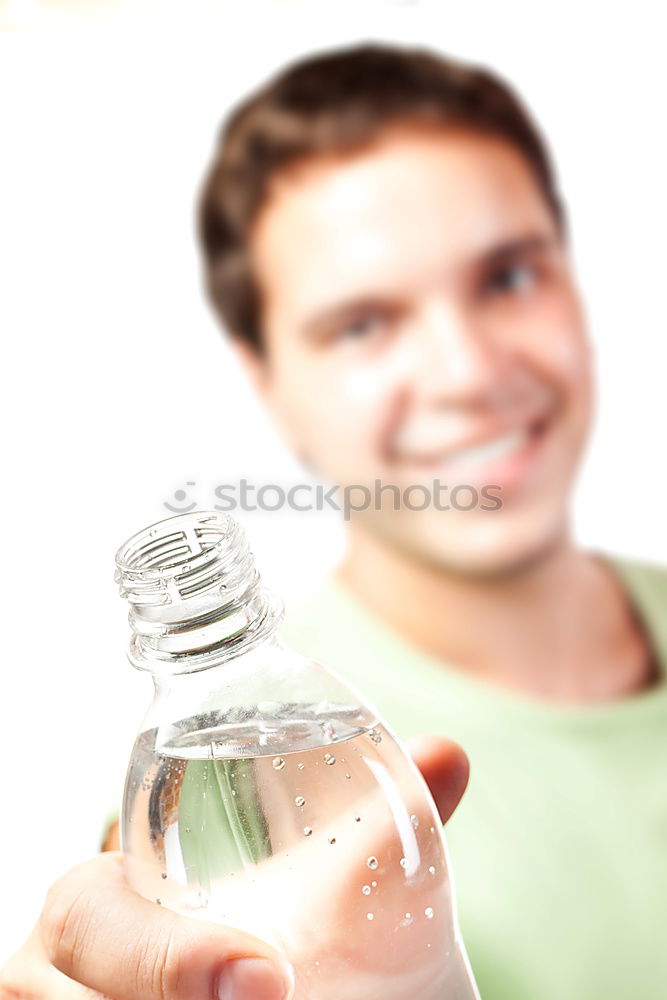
195,596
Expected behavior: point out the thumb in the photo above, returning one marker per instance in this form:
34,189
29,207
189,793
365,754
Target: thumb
445,769
99,932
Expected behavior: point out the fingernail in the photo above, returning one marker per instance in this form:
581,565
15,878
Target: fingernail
256,978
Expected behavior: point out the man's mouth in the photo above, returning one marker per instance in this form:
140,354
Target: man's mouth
503,457
489,451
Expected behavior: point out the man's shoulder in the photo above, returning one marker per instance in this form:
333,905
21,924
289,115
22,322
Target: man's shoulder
646,587
319,614
646,581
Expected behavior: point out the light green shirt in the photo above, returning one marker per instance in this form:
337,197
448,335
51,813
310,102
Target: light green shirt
559,846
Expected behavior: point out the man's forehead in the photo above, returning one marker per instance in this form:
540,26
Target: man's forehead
391,213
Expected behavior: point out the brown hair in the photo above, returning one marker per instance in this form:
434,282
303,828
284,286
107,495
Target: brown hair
333,103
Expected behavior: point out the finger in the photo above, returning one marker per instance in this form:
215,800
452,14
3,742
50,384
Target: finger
445,768
29,975
111,840
99,932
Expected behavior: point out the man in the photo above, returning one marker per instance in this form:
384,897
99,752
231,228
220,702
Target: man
385,242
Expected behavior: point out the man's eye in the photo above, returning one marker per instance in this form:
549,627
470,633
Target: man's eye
515,278
361,326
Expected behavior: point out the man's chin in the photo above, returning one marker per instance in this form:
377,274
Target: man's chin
489,546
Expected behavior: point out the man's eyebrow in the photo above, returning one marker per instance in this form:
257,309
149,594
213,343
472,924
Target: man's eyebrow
532,243
318,323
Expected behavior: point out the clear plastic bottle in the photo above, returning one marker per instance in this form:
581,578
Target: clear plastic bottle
263,792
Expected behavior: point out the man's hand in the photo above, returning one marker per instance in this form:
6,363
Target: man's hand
96,938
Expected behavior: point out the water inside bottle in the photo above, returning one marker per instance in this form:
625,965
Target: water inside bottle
310,829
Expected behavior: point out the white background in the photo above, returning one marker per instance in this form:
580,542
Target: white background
119,388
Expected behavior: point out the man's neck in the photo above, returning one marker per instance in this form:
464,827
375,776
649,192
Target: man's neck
560,627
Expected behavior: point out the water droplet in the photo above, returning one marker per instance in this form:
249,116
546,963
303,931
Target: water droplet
159,902
299,801
415,821
278,763
187,829
402,862
348,775
164,874
374,884
375,736
428,913
369,916
329,758
366,889
301,766
233,791
432,870
307,830
332,840
372,863
328,729
407,920
432,829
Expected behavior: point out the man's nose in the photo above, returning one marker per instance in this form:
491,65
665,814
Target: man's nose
456,361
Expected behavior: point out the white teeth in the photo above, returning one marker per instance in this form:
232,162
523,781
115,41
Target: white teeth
490,451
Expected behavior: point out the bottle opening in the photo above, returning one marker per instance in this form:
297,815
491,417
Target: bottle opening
182,557
194,591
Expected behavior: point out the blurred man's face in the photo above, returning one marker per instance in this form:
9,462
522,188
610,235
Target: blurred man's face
421,323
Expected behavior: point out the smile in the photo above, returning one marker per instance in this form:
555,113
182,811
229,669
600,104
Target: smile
504,458
489,451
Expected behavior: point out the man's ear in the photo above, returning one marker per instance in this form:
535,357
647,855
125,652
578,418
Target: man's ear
254,364
256,367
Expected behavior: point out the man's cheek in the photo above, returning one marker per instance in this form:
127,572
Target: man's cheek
347,446
361,386
352,410
341,446
554,344
570,363
374,383
563,342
